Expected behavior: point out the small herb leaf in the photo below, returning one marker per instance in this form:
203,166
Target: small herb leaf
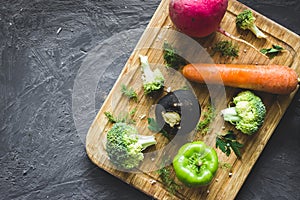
124,118
171,57
226,49
110,117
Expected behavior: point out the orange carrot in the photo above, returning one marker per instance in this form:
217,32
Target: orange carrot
274,79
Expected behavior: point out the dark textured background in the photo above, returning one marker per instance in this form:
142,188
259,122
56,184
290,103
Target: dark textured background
41,154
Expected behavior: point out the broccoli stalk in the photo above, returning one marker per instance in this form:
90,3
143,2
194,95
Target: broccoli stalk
248,113
246,20
124,145
146,141
230,114
152,80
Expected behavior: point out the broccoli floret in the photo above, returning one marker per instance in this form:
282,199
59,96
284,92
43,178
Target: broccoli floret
246,20
152,80
248,114
124,145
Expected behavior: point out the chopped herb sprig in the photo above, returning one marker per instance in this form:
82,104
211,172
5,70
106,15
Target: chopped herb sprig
226,49
225,166
171,57
165,175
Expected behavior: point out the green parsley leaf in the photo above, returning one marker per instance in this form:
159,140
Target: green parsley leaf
222,145
273,51
153,126
235,146
228,142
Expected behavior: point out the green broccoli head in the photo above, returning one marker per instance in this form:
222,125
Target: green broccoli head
124,145
248,114
245,20
152,80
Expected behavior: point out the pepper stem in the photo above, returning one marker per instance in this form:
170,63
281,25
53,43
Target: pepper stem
199,163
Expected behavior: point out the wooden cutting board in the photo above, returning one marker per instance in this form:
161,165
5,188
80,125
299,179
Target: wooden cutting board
224,186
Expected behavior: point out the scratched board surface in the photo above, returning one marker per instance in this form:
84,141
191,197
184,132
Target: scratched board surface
159,30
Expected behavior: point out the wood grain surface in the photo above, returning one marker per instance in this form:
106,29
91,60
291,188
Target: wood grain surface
160,29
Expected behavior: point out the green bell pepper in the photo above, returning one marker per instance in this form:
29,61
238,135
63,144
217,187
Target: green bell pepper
195,164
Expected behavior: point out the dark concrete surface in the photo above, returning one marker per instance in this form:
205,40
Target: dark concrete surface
42,47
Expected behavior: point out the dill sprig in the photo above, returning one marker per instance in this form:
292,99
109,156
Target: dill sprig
208,116
168,181
129,92
127,118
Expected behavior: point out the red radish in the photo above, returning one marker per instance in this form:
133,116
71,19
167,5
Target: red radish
200,18
197,18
